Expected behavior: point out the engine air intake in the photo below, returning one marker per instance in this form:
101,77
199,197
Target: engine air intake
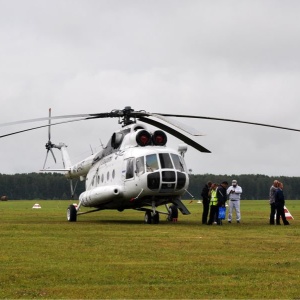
159,138
143,138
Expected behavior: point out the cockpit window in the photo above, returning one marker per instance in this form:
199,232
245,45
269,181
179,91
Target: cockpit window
140,168
165,161
151,163
129,168
178,162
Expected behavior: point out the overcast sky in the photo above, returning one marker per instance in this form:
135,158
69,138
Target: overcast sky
228,59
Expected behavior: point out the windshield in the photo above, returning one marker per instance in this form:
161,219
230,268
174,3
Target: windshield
178,162
165,161
151,163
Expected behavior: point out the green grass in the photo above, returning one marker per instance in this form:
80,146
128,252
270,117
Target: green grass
112,255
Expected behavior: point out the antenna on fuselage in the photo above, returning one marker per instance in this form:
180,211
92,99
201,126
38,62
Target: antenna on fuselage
101,144
91,149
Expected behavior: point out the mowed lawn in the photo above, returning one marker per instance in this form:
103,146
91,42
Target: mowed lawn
113,255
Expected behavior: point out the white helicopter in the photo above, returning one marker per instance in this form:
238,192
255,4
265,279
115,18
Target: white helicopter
136,170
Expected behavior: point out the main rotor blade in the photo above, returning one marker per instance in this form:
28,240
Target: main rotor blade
38,127
228,120
188,129
175,133
116,113
83,116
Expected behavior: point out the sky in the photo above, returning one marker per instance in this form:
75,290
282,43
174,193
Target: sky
226,59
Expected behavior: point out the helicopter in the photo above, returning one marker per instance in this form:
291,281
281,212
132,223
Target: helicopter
136,169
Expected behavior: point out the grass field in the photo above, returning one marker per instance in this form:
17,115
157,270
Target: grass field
113,255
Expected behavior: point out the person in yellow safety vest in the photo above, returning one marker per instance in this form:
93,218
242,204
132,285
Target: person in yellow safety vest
214,208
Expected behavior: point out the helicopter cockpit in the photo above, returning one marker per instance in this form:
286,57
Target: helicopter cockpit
164,171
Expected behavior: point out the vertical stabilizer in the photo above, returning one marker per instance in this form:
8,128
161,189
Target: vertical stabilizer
65,155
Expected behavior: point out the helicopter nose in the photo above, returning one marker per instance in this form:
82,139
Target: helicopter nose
166,181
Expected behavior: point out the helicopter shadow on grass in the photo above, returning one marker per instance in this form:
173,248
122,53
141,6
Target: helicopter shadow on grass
139,222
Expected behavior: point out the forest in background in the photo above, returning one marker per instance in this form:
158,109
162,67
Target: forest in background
47,186
255,187
53,186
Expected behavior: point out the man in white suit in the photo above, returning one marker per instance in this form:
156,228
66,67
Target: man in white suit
234,192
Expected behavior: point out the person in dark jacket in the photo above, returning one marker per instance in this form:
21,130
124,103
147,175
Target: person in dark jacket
222,196
205,201
273,189
279,204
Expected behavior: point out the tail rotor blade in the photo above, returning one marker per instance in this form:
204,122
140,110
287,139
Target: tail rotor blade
45,159
53,155
49,127
49,147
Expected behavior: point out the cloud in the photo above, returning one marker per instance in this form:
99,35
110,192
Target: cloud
231,59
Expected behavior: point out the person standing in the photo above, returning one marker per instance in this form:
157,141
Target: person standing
234,193
279,205
222,198
205,201
214,208
273,189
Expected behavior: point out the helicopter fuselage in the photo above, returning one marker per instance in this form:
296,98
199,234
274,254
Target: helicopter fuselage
135,177
135,170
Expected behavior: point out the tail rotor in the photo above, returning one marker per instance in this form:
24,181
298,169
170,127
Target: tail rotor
49,144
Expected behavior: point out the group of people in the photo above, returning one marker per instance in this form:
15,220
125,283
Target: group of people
277,204
215,196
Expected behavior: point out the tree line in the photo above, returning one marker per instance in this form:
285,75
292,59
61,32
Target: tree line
31,186
53,186
255,187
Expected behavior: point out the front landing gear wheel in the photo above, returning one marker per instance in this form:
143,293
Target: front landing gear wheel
72,213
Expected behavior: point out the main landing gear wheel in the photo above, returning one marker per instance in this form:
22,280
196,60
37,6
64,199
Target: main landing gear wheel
72,213
149,219
173,213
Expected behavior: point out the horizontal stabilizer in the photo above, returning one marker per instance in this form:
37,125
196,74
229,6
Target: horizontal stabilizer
55,170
